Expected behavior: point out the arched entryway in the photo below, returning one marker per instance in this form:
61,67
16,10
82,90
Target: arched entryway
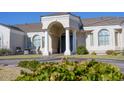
56,32
54,27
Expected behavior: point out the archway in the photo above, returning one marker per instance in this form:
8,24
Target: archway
56,30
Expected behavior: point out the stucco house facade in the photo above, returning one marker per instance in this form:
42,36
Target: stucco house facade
63,33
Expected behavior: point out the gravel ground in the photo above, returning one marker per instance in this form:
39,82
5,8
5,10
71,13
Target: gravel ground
8,73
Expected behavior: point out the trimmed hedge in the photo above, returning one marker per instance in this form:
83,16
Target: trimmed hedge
93,53
111,52
74,71
81,50
4,52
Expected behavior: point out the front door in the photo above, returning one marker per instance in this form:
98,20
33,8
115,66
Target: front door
62,43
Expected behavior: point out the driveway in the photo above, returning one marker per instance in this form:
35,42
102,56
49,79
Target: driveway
13,62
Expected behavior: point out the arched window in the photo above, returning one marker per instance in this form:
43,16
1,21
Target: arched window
103,37
36,41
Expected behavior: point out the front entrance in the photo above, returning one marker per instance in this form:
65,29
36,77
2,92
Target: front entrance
62,44
54,26
58,39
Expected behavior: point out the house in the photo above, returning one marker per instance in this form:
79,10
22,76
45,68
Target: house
64,32
11,37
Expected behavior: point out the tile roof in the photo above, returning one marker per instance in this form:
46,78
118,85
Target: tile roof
11,27
102,21
99,21
34,27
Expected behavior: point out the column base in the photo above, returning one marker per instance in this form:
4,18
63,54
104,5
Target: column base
67,52
45,53
73,52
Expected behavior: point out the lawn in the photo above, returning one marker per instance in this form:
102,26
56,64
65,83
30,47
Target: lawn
118,57
21,56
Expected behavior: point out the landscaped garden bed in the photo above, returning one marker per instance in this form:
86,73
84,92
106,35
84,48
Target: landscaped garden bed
70,71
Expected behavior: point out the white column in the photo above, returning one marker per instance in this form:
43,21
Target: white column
67,51
46,49
74,42
113,40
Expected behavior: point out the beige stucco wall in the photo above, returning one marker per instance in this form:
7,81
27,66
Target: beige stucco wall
81,39
5,36
63,19
103,49
16,39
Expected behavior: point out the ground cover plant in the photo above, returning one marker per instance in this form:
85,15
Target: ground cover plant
32,65
72,71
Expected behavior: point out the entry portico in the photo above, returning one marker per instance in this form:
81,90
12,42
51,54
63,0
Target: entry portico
61,33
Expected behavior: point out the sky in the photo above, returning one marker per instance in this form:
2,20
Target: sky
34,17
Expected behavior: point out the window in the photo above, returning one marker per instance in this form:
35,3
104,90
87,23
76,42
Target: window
103,37
43,42
36,41
91,39
29,42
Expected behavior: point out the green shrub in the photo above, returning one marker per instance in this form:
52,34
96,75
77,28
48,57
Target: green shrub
111,52
122,52
32,65
82,50
4,52
115,53
74,71
93,53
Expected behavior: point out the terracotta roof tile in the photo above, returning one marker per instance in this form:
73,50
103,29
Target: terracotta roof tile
99,21
34,27
11,27
102,21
